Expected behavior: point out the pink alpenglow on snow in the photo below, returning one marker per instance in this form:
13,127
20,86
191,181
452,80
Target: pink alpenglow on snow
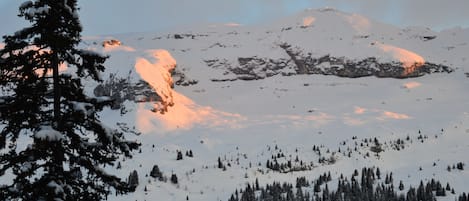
359,110
393,115
308,21
411,85
410,60
184,112
353,121
157,74
184,115
62,68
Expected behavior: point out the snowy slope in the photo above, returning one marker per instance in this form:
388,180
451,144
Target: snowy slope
242,121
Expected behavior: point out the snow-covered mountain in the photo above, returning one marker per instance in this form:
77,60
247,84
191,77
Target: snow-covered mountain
244,95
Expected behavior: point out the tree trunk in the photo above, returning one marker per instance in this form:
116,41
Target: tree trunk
57,168
55,71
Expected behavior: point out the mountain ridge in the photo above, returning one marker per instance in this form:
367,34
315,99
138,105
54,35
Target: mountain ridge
315,41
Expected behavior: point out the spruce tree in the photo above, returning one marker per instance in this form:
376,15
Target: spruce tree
174,178
52,143
156,172
133,179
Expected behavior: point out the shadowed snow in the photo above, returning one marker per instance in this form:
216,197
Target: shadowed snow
359,23
49,134
123,48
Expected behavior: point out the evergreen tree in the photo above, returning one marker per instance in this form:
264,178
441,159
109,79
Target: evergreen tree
174,178
191,154
448,187
257,185
232,198
133,179
401,185
460,166
220,164
345,191
69,146
156,173
179,155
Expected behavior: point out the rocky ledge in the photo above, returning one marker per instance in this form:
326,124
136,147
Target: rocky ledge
299,62
122,89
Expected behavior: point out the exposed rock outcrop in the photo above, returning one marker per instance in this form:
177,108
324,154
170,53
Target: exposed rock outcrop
122,89
112,42
299,62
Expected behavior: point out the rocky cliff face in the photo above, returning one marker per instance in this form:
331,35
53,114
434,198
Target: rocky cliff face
296,62
122,89
151,79
300,62
323,42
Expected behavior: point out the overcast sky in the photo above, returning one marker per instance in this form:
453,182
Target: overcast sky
121,16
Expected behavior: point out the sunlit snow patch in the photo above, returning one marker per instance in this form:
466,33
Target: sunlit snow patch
411,85
352,121
157,73
62,68
359,110
362,116
410,60
308,21
121,48
393,115
184,112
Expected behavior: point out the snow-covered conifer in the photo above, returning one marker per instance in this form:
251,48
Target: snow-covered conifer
68,145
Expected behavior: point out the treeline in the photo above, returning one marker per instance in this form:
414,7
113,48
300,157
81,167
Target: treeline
367,186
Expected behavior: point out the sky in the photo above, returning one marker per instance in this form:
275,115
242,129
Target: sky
122,16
